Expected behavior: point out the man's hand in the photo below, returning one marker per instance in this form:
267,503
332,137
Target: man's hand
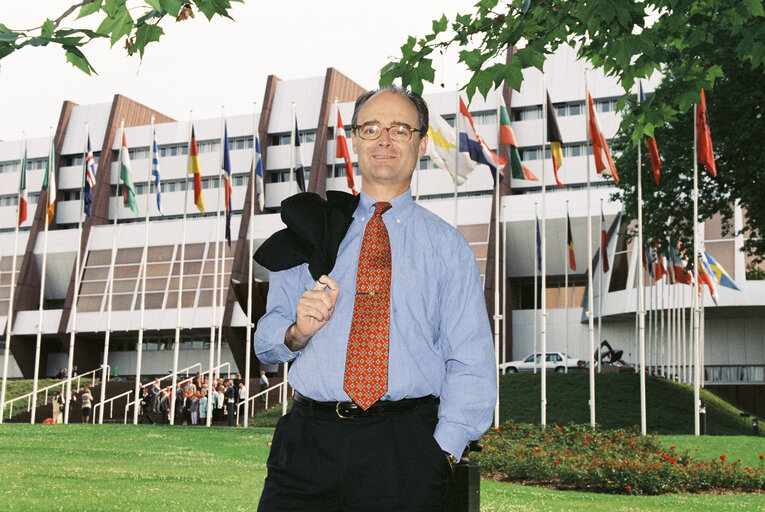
313,311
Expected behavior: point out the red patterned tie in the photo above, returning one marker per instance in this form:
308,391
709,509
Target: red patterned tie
366,363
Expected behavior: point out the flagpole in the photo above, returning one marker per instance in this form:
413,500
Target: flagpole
566,263
543,325
504,284
334,159
145,263
177,341
696,252
51,184
214,322
590,294
73,331
604,257
536,264
641,292
497,316
251,247
110,283
9,326
457,153
293,138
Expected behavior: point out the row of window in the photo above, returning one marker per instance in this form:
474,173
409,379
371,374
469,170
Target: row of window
15,165
206,146
285,139
575,108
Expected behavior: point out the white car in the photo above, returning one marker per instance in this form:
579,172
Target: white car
554,361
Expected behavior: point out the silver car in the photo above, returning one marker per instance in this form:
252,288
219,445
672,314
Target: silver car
554,361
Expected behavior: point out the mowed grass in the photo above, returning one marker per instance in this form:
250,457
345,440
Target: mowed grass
747,449
143,467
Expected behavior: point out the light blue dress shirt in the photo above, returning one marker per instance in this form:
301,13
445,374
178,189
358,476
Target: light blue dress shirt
440,339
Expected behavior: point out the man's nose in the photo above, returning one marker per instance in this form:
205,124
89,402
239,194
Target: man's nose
384,139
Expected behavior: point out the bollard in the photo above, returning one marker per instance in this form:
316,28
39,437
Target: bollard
755,427
703,420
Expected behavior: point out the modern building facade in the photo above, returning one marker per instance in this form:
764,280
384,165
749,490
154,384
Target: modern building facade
209,313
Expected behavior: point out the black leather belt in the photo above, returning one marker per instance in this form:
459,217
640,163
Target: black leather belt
349,410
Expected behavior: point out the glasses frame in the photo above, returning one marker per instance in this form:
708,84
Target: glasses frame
382,129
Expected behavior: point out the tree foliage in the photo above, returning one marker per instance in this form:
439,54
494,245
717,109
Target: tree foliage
137,21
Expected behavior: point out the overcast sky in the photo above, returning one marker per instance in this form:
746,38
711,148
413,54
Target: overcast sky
203,65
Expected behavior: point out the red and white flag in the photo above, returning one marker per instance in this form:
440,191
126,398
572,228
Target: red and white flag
604,241
604,164
342,152
704,153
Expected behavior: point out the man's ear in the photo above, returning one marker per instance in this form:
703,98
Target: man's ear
423,145
353,141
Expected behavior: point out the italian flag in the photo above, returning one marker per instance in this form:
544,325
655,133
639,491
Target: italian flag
49,183
518,171
23,190
126,175
196,171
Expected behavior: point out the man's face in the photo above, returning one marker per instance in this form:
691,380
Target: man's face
387,166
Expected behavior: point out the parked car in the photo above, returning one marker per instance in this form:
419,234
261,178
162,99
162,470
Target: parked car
554,361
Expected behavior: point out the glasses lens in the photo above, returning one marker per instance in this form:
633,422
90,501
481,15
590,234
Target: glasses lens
370,131
400,133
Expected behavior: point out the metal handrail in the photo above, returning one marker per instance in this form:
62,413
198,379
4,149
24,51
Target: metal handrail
253,397
62,383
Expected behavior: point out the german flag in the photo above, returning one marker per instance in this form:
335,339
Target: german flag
196,171
554,138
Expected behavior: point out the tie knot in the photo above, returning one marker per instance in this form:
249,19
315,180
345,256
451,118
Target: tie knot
381,207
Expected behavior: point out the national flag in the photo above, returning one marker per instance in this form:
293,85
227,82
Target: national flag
22,210
299,169
518,171
49,183
679,265
443,150
705,277
659,270
155,170
604,164
342,152
721,276
604,241
650,144
555,139
90,179
476,148
196,170
539,248
259,178
126,176
705,155
648,261
227,183
571,257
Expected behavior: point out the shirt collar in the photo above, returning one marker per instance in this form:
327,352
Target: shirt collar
401,205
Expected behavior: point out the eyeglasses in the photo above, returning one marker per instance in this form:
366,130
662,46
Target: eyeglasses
398,132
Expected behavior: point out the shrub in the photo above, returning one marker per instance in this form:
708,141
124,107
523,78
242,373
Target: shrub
620,461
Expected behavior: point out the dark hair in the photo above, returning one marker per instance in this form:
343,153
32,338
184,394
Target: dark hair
419,104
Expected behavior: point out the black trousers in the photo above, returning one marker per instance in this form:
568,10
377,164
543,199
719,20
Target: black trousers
384,463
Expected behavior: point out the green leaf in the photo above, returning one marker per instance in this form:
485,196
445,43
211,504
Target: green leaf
440,25
116,27
145,34
90,8
172,6
525,6
36,41
6,49
47,29
113,7
425,70
76,58
156,4
9,37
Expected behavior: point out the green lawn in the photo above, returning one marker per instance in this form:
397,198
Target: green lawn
747,449
126,467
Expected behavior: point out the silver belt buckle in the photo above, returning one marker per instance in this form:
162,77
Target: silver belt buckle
340,415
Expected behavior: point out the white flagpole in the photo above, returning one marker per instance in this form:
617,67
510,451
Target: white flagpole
566,263
536,263
696,308
334,156
603,256
504,284
641,291
590,294
497,252
9,326
457,153
177,341
73,331
46,220
217,261
251,252
144,270
667,356
293,138
543,326
110,284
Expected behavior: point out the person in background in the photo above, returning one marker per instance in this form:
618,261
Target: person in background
61,374
164,406
231,395
87,405
220,403
74,371
203,407
194,408
146,407
58,407
263,385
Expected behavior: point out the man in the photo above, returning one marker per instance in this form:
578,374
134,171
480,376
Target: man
392,353
146,407
231,394
263,385
164,406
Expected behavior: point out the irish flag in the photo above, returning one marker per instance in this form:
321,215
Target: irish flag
49,183
196,171
23,189
518,171
126,176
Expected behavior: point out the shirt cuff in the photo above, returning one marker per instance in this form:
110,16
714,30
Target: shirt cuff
451,439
